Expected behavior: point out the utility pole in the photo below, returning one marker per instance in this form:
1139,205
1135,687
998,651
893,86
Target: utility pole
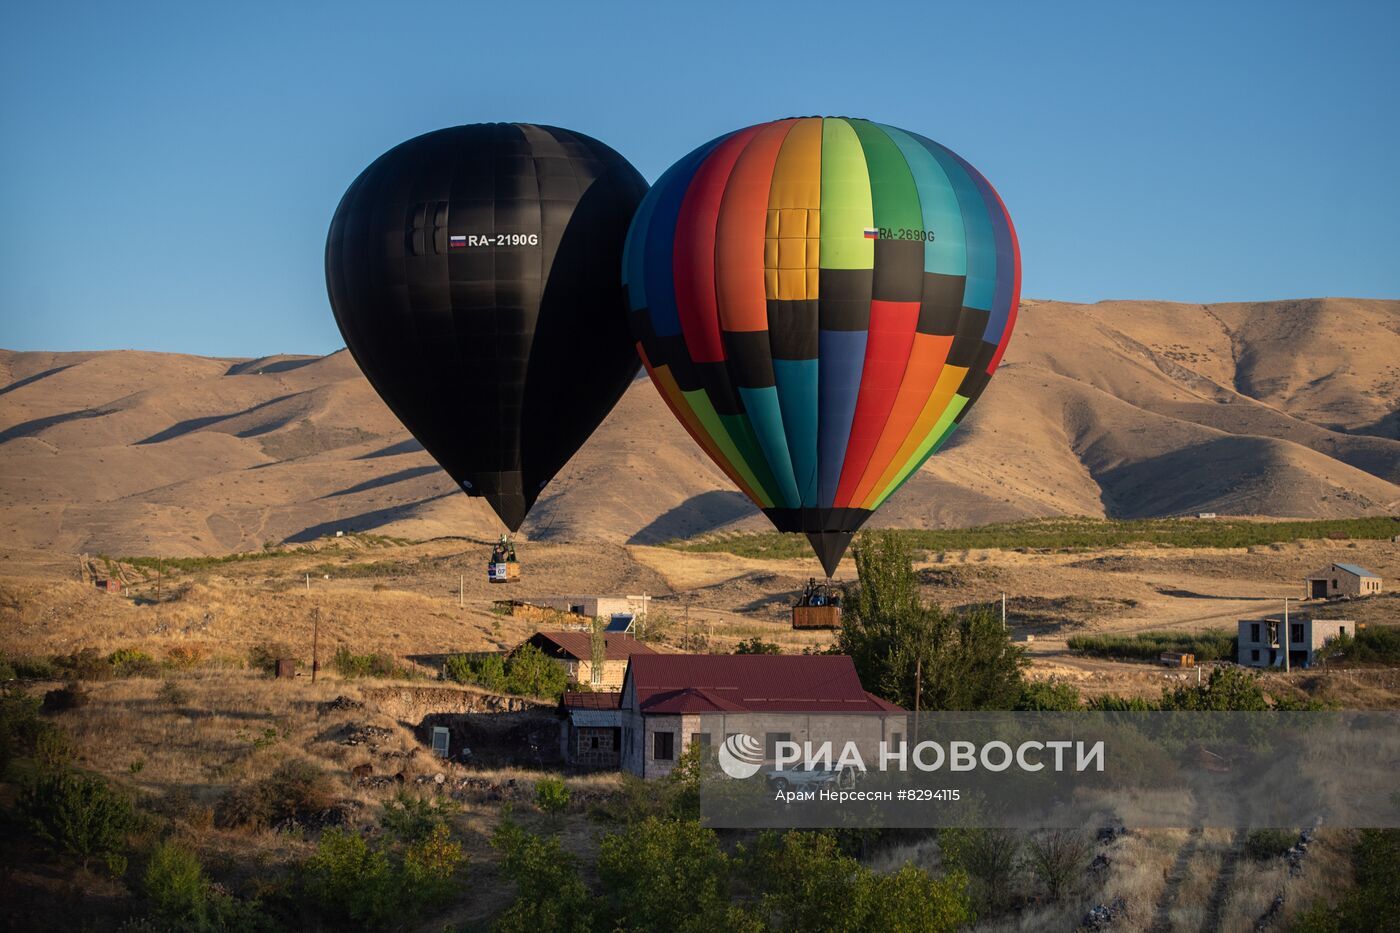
918,692
1287,664
315,641
1003,611
308,583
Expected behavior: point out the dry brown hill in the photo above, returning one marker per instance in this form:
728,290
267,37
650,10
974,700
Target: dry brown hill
1123,408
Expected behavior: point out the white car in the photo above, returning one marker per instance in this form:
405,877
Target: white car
797,776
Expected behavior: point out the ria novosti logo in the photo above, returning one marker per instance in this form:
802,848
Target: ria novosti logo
741,756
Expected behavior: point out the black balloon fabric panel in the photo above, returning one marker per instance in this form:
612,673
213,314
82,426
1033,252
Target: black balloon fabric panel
473,273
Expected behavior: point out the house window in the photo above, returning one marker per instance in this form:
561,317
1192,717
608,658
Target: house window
700,738
896,739
1296,635
771,740
596,674
1254,632
1254,655
593,742
663,747
1341,630
1334,584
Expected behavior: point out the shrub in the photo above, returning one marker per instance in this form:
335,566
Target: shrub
185,657
33,668
175,885
296,792
263,657
172,694
1147,646
7,670
1058,860
665,875
527,672
551,795
430,866
86,664
807,883
131,662
348,664
1049,696
20,726
550,895
1228,689
410,818
990,857
757,646
80,814
52,749
1265,844
71,696
350,879
486,670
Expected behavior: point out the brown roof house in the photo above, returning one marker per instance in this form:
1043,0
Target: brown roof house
574,651
670,702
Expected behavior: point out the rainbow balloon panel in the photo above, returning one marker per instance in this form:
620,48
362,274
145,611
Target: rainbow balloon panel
820,301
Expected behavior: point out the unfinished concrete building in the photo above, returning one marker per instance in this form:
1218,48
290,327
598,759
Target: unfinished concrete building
1262,641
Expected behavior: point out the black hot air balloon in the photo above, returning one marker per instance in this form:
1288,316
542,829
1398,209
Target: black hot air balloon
473,273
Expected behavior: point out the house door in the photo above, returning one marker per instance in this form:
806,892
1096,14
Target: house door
1319,589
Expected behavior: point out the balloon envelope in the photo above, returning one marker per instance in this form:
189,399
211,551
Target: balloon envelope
820,301
472,271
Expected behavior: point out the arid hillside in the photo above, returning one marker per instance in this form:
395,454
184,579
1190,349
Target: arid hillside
1120,409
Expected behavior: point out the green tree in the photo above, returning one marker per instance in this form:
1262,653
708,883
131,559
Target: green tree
665,875
551,795
550,896
991,859
1059,859
1049,696
1228,689
80,814
410,818
531,672
176,887
805,882
350,879
905,650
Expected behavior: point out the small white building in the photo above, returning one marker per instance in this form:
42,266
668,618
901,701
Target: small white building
1339,580
1261,641
592,607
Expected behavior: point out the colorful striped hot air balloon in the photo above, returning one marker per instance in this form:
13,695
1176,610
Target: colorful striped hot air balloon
820,301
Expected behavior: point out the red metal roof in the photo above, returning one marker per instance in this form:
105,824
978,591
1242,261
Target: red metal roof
583,699
751,683
579,645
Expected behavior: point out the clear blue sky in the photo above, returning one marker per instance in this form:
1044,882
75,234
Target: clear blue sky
168,171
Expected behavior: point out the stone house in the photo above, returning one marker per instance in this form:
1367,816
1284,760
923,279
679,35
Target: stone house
574,652
1338,580
670,702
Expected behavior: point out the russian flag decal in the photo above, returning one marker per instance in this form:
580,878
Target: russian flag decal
456,241
871,233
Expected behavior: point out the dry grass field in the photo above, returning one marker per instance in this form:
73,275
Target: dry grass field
185,739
